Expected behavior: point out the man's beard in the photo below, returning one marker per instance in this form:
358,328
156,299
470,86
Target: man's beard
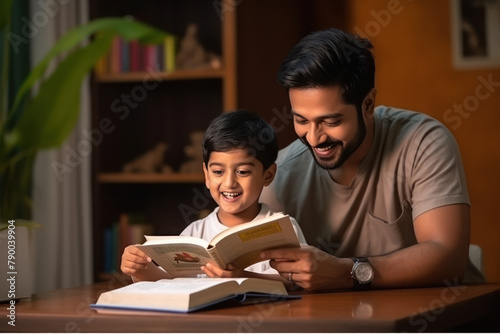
345,151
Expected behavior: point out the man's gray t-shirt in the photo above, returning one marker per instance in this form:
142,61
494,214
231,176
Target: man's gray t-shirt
413,166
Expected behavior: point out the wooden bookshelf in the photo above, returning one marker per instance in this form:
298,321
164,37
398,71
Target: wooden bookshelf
175,75
141,115
150,178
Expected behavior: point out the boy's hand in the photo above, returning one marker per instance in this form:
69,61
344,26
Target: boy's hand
232,271
134,260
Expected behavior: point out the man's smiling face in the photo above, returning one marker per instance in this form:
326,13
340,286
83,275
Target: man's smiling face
332,129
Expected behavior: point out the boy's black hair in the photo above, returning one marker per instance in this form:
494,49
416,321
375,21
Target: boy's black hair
241,129
331,57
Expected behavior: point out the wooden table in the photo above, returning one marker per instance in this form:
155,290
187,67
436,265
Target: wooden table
471,307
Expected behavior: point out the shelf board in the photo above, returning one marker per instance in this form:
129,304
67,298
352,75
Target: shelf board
161,76
150,178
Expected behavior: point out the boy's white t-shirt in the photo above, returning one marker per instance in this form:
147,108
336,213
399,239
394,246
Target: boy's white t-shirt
208,227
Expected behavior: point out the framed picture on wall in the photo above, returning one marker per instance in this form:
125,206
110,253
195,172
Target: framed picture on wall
475,33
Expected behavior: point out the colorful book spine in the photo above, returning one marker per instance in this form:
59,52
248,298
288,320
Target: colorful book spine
160,56
128,230
135,56
125,56
102,65
115,56
131,56
108,250
149,57
170,51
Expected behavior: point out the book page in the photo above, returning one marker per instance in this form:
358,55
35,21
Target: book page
177,258
242,245
169,239
245,284
170,287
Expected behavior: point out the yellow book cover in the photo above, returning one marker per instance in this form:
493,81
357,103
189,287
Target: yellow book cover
170,52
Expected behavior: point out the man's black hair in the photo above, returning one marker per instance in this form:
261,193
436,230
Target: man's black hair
328,58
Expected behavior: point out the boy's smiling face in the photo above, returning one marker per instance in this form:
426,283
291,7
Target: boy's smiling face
235,180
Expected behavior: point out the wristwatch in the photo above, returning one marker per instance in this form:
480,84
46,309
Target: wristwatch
362,273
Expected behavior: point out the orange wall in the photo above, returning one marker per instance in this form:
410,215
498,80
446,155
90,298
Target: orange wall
415,70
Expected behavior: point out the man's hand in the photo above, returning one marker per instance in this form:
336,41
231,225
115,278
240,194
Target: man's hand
311,268
439,256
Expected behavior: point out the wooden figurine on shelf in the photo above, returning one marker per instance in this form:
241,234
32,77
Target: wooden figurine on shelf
194,152
149,162
192,55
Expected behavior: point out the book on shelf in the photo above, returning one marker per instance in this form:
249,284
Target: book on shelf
128,230
191,294
132,56
115,55
149,58
182,256
169,53
135,56
124,53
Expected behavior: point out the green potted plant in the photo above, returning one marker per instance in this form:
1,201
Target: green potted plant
43,119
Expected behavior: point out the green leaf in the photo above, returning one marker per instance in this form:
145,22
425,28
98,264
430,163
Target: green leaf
50,117
5,12
54,111
46,119
21,222
125,27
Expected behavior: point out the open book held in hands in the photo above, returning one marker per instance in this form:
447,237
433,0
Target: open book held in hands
182,256
190,294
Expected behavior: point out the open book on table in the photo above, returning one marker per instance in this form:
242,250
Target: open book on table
182,256
190,294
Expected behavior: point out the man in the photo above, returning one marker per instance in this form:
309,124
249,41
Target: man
380,192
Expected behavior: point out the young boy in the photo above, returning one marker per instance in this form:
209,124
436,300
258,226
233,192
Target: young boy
239,153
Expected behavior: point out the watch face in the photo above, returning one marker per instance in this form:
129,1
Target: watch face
364,272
